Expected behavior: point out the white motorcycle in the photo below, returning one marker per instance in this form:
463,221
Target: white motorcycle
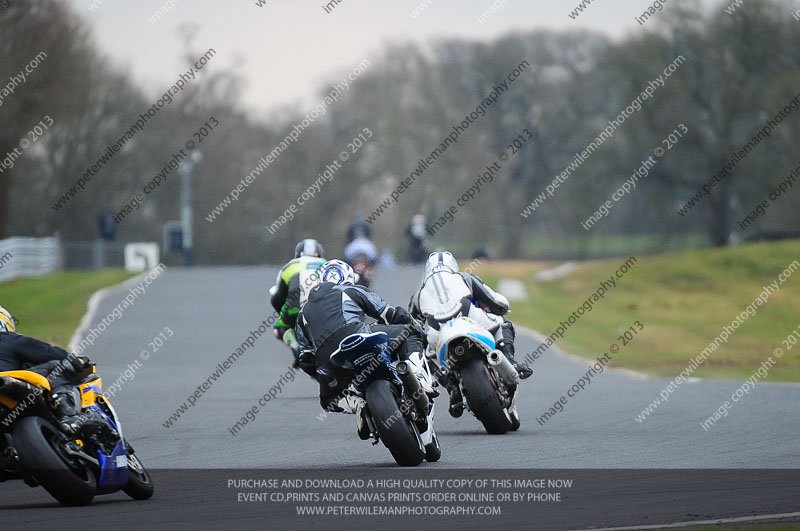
487,379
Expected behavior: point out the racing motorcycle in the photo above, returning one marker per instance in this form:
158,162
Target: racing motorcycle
94,460
487,379
398,411
308,280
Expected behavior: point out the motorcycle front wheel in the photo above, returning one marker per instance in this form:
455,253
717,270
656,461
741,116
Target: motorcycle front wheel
139,485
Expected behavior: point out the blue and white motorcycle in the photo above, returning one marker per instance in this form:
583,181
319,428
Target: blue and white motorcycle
487,379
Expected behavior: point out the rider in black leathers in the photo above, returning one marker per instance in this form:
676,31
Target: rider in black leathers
62,369
336,310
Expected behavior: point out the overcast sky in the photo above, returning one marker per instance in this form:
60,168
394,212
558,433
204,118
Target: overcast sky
289,48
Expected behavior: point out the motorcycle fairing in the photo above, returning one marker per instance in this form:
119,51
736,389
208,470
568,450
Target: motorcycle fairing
29,376
366,356
114,466
460,327
113,469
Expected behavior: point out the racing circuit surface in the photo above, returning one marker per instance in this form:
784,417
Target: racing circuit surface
212,311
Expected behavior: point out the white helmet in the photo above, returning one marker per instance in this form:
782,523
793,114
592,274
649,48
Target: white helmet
440,261
338,272
6,321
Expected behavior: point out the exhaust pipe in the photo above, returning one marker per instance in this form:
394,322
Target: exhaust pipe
501,364
419,397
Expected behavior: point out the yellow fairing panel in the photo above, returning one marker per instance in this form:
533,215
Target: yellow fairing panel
90,391
31,377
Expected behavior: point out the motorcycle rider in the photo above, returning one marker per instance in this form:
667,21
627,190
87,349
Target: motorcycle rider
361,246
358,228
291,288
62,369
469,296
335,309
362,256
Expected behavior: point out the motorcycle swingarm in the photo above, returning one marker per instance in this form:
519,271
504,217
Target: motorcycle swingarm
80,454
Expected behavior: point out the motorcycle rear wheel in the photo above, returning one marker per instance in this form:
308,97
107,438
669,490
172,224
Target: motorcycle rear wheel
483,399
402,440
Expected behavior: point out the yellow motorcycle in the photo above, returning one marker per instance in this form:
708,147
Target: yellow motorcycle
94,459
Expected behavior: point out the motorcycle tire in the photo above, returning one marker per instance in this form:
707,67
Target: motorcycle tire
139,485
36,441
402,440
483,399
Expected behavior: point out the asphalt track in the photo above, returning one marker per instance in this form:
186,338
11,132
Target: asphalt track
624,471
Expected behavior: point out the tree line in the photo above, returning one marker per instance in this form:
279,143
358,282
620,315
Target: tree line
717,93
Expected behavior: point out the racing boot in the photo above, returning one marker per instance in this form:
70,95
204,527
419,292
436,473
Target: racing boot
449,382
420,370
66,410
361,421
505,344
352,403
290,340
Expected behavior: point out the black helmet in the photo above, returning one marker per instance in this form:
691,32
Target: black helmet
308,247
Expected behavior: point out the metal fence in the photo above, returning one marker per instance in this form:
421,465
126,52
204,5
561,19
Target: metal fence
22,257
28,257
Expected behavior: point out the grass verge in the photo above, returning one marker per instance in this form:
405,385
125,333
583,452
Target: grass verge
683,299
50,308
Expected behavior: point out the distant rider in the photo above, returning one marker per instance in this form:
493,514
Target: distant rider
291,288
337,308
464,294
361,246
62,369
359,228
